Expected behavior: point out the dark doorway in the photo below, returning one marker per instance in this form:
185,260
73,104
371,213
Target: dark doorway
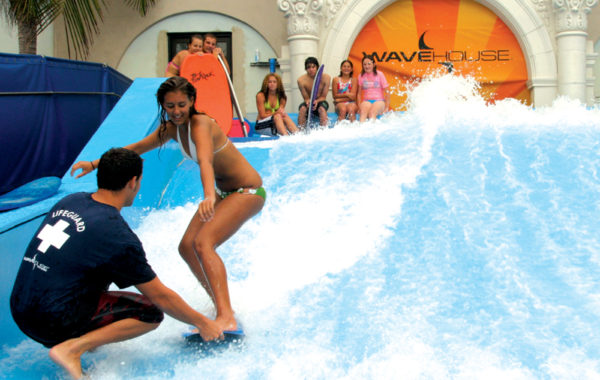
179,41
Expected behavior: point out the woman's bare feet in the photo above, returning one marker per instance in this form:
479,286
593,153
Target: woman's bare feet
227,324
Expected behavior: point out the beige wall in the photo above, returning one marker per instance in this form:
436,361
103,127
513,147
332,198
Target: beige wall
121,25
122,28
9,39
137,46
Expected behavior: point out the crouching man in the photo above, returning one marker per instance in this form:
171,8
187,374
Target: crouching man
60,297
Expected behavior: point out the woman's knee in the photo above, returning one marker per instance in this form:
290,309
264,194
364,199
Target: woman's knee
186,249
202,247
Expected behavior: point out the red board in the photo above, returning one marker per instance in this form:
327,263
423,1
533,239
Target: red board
207,75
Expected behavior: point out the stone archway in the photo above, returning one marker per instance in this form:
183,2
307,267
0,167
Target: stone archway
519,15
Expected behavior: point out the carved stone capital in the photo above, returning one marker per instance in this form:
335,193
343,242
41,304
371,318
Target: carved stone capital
571,15
333,6
545,10
303,16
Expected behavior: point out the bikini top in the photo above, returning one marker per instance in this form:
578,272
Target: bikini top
192,146
344,87
269,108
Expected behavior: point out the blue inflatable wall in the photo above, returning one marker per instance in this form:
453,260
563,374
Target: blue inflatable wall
49,109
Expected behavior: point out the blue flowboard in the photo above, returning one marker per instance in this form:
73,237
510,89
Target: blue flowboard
314,93
30,193
230,339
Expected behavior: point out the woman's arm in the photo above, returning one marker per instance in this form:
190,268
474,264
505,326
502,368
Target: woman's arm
144,145
337,97
335,91
260,106
281,109
385,88
202,136
351,95
359,93
171,70
152,141
174,66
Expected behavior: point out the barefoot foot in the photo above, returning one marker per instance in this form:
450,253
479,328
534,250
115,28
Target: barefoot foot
62,355
227,324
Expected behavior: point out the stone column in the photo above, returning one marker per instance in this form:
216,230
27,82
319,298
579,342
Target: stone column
571,40
590,75
304,24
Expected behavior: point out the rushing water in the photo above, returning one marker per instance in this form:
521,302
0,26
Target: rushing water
455,240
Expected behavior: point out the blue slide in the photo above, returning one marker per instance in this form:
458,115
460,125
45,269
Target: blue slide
132,118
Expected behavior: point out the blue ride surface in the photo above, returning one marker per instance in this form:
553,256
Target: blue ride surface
32,192
455,240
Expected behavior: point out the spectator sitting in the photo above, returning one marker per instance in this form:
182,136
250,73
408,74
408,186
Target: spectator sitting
373,94
270,102
344,88
319,106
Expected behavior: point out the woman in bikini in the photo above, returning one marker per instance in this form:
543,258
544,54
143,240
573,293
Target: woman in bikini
344,88
373,93
194,46
233,191
270,103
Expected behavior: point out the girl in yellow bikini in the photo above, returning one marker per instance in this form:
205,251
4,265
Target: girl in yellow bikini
237,197
270,103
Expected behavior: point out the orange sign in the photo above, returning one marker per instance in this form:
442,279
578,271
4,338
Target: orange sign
411,39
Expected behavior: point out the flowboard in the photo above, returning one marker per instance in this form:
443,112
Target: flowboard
230,339
314,93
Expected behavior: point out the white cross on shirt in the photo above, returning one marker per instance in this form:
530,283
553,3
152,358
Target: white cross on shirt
53,235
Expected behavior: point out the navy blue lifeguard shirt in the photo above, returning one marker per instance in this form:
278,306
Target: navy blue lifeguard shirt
81,247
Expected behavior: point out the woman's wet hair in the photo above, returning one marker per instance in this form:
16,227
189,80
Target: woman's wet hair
351,66
173,84
367,56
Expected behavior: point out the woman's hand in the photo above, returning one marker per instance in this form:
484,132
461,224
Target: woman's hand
206,209
85,166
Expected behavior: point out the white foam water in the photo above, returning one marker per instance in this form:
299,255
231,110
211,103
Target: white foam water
458,239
